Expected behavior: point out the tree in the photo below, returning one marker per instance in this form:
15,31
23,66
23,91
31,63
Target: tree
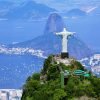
59,94
36,76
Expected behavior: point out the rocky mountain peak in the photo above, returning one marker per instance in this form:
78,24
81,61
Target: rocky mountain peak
54,23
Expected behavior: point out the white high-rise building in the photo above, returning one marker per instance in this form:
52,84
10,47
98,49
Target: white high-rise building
10,94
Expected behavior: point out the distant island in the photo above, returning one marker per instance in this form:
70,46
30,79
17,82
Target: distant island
60,81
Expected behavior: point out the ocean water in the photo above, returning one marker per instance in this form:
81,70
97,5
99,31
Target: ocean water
14,69
13,31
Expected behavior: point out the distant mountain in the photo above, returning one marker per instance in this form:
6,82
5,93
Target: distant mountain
51,44
5,7
5,4
76,12
63,5
54,23
96,11
29,9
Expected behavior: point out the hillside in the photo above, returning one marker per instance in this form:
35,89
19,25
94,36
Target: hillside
48,85
26,10
76,13
51,44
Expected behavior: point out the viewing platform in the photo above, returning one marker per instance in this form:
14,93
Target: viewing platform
66,61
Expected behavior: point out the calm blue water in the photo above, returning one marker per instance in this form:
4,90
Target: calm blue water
14,69
19,31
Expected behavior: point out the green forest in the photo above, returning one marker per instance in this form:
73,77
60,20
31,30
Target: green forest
47,85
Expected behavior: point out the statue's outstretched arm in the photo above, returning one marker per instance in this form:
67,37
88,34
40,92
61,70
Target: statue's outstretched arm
59,33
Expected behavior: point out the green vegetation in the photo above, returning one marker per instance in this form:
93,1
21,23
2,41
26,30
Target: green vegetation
47,85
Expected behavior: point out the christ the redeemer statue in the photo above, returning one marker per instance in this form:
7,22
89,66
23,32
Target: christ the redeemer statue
64,34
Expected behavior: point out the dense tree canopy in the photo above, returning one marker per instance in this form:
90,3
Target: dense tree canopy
47,86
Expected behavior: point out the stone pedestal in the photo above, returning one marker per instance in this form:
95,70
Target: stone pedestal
64,55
